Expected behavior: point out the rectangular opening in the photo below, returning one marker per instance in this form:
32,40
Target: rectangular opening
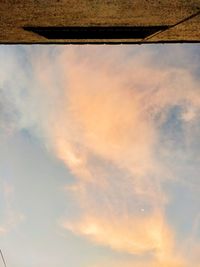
96,32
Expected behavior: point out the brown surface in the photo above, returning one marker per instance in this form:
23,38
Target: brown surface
15,14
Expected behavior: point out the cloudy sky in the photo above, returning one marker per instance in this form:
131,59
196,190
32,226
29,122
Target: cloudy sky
100,155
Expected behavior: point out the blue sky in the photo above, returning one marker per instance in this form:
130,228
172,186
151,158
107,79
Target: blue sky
99,155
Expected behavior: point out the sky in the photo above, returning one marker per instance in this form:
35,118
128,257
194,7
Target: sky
100,155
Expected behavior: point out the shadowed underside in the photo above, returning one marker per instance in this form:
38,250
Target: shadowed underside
93,21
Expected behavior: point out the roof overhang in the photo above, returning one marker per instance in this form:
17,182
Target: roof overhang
99,21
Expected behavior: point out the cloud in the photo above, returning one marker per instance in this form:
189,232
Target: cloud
104,113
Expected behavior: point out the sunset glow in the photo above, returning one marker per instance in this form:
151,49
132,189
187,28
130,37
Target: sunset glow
100,156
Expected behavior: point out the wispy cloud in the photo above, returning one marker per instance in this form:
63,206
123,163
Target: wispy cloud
104,112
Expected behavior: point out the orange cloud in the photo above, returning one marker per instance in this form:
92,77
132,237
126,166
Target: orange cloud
102,117
106,130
